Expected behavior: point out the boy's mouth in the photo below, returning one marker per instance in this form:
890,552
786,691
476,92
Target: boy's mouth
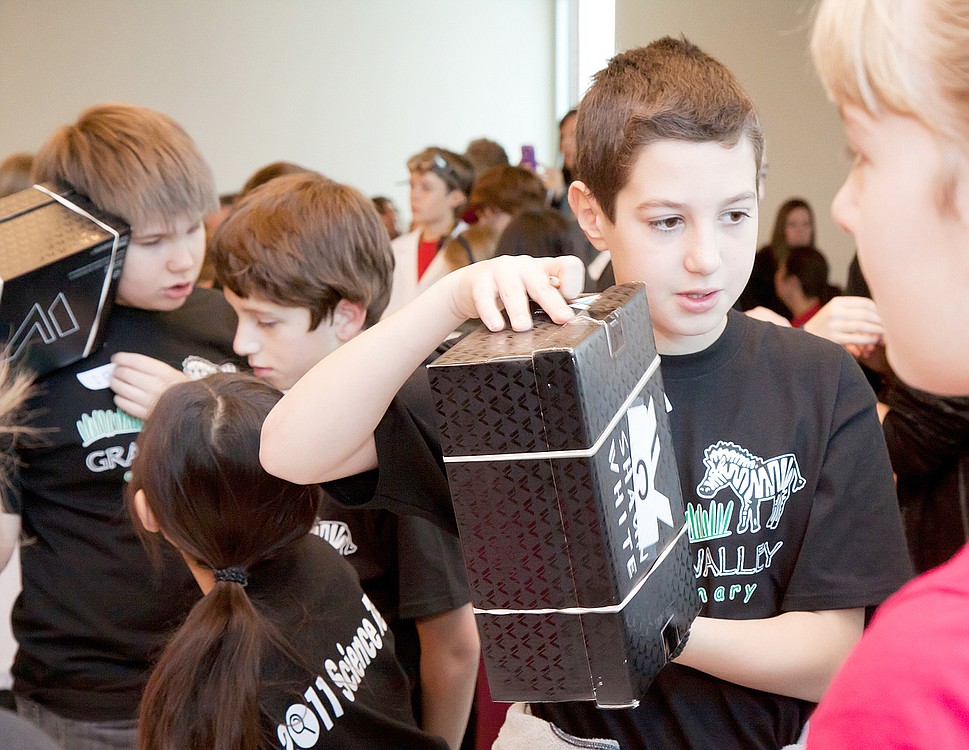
699,301
179,291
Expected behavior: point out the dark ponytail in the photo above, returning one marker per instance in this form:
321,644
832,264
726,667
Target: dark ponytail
204,692
198,465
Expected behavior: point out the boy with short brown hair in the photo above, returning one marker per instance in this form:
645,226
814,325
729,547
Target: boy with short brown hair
775,431
306,263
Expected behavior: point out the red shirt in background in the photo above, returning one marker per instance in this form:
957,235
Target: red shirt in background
426,250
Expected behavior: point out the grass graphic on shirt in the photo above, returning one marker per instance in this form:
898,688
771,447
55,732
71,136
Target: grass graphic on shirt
104,423
705,524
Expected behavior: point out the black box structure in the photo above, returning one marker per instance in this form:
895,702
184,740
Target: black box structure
561,468
60,261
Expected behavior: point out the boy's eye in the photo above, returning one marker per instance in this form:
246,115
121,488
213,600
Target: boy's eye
667,224
265,323
735,217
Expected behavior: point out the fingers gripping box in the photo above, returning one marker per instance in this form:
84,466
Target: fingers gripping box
561,468
60,260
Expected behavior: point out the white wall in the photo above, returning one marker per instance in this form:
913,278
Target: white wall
765,43
348,87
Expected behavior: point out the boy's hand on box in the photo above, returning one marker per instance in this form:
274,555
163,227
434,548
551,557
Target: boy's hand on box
506,283
138,381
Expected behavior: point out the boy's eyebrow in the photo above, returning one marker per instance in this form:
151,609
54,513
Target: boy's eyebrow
741,197
659,203
677,206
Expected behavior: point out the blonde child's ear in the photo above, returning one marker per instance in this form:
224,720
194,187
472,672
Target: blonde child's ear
145,515
588,214
348,319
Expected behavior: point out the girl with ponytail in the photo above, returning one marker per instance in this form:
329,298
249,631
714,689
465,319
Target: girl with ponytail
283,649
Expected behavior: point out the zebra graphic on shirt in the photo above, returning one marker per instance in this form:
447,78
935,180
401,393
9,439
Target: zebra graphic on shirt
754,480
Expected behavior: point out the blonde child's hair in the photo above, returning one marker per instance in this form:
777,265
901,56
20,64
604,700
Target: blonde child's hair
910,57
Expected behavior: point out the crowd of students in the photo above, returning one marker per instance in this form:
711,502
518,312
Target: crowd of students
173,593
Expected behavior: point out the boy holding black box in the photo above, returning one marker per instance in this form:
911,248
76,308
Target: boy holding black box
94,611
792,515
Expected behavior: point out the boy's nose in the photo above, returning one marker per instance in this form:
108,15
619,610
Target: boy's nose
244,344
703,254
181,258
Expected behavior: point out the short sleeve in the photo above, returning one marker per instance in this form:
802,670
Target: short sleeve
432,580
854,552
410,477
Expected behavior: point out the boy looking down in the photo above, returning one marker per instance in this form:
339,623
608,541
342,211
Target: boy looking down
306,264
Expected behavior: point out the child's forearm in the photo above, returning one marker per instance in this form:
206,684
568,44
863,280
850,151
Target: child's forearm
449,671
323,428
794,654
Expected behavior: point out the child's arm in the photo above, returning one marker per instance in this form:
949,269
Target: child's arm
138,381
323,428
848,321
794,654
448,672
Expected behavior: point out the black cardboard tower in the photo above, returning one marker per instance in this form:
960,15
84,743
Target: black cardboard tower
561,468
60,260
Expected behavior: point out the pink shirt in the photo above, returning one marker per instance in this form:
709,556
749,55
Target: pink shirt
906,684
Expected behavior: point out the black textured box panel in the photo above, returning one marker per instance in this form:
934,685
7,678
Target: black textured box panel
498,398
59,272
608,657
565,531
566,493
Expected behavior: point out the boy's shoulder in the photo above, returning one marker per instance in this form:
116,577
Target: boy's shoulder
793,344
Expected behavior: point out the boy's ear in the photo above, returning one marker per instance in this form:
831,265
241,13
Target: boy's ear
456,198
588,214
145,515
348,319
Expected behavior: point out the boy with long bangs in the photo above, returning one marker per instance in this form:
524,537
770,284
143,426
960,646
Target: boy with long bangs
94,611
306,263
669,150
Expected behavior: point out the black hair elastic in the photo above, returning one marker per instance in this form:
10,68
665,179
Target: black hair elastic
233,575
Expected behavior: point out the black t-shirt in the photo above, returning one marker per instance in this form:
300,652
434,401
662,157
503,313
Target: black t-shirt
820,528
408,567
790,507
349,690
410,475
94,611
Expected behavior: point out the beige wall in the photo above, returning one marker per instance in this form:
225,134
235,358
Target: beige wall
348,87
765,42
